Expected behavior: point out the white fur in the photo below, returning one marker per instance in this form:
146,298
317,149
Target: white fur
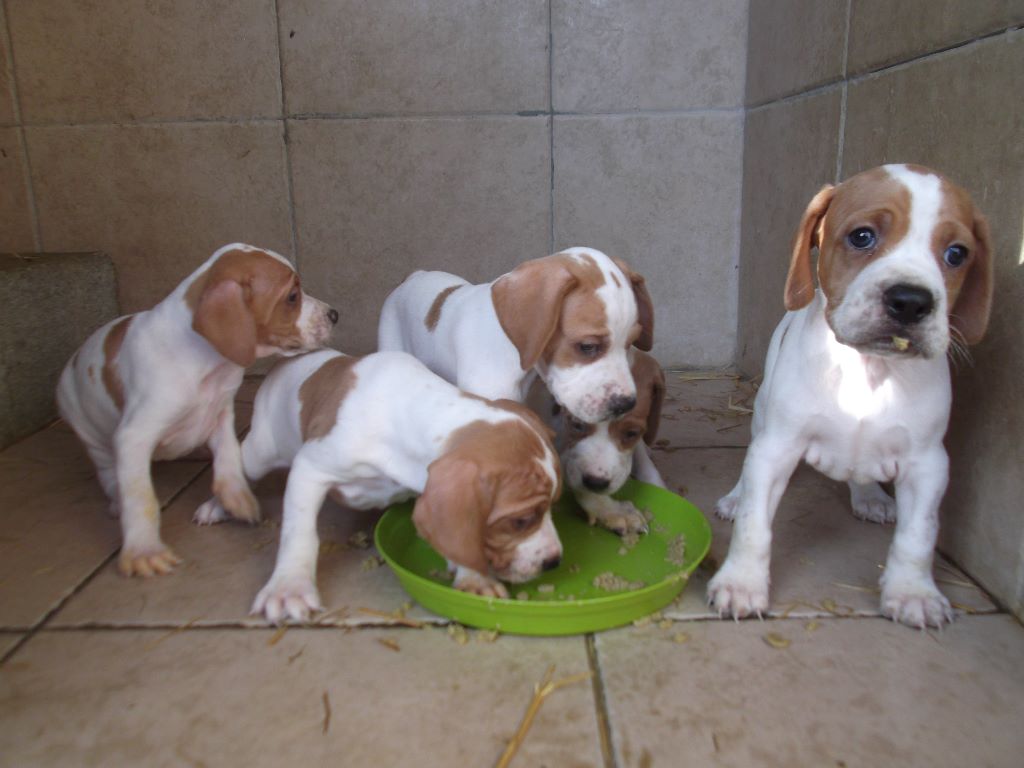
391,426
856,417
469,348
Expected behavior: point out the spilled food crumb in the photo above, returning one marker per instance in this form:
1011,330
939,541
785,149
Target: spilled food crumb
676,553
610,582
775,640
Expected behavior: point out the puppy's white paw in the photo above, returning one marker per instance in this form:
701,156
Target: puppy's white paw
916,604
287,597
478,584
620,517
738,591
237,500
148,561
870,502
726,506
210,512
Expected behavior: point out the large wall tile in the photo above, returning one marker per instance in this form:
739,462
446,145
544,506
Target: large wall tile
7,111
86,60
662,192
159,198
647,54
894,118
789,154
794,45
396,57
15,217
883,32
377,199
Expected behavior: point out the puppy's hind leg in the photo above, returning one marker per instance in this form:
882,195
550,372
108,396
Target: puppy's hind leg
229,485
643,466
870,502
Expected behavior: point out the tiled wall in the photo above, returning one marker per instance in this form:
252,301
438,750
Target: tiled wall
936,82
369,139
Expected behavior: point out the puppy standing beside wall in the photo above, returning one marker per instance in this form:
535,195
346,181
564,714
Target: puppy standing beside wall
856,380
159,383
379,429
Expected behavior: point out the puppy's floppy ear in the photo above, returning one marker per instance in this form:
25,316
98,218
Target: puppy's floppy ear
451,513
644,306
654,414
224,319
800,281
973,305
528,301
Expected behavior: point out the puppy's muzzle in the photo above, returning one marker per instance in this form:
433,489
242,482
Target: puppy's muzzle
621,404
908,304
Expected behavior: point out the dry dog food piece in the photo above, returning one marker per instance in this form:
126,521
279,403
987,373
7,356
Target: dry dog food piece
523,595
900,343
676,553
546,588
574,568
610,582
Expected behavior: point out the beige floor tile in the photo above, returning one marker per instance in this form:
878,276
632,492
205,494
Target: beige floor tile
843,692
824,560
226,565
704,413
219,697
6,81
56,529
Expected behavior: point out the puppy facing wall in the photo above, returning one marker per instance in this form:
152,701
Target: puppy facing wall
598,458
379,429
159,383
856,381
568,318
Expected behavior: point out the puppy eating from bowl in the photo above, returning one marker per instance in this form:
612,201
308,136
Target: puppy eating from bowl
856,379
380,429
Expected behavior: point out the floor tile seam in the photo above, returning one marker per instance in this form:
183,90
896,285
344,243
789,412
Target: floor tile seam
601,713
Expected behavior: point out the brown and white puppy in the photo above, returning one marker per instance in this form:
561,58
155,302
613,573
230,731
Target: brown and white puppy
379,429
598,458
856,382
568,318
159,383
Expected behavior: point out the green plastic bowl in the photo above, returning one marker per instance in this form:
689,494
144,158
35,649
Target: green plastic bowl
575,605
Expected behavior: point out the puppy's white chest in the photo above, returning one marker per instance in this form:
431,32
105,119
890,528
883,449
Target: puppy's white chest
845,448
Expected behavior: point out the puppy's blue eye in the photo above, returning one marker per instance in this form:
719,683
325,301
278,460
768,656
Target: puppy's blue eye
862,238
955,255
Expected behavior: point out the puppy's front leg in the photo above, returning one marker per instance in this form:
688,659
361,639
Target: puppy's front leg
229,485
621,517
740,587
909,594
643,466
143,553
291,591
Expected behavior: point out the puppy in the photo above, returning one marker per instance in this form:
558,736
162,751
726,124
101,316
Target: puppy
598,458
380,429
159,383
568,318
856,381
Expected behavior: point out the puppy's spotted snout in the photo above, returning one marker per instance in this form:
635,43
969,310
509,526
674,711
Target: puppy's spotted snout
621,404
332,315
908,304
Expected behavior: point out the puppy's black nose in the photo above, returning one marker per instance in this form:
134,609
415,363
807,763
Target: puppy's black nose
908,304
595,483
332,315
552,562
621,404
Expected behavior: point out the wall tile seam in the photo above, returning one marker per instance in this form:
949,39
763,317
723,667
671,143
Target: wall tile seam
551,130
286,145
841,138
598,692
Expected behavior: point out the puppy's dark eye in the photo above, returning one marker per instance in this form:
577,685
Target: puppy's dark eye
955,255
293,296
631,434
587,349
575,424
525,521
862,238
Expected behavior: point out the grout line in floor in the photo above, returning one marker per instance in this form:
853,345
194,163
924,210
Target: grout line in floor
604,729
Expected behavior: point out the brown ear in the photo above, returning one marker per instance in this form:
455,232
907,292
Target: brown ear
973,305
223,319
800,281
528,301
451,513
647,373
644,306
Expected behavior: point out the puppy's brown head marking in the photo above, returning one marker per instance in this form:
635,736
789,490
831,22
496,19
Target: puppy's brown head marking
245,300
485,494
111,348
434,313
322,394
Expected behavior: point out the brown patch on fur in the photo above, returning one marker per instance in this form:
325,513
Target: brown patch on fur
111,349
487,492
244,300
322,393
643,337
434,313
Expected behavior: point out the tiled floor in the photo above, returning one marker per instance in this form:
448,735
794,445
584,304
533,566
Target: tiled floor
99,670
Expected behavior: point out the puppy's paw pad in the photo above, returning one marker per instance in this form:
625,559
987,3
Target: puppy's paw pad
726,507
147,563
288,598
210,512
733,593
478,584
917,608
